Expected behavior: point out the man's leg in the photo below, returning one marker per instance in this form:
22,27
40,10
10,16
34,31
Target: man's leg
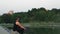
21,31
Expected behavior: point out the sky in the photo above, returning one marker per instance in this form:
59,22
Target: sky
25,5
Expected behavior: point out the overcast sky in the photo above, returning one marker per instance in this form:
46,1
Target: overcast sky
24,5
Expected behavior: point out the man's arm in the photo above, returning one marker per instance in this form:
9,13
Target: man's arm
19,24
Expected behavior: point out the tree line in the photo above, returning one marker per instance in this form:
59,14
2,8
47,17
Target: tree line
34,15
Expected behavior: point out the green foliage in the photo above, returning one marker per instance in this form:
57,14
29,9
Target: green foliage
37,15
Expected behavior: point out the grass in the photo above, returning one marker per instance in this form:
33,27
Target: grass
42,31
39,28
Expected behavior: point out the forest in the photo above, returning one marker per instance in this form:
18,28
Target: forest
33,15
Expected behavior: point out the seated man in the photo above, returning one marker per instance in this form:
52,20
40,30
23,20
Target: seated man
18,27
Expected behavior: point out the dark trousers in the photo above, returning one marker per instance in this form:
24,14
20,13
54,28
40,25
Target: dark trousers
20,30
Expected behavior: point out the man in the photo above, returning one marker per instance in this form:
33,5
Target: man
18,27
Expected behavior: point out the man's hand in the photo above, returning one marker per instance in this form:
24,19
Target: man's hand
24,28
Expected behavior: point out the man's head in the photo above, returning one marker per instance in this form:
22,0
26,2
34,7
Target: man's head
18,18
